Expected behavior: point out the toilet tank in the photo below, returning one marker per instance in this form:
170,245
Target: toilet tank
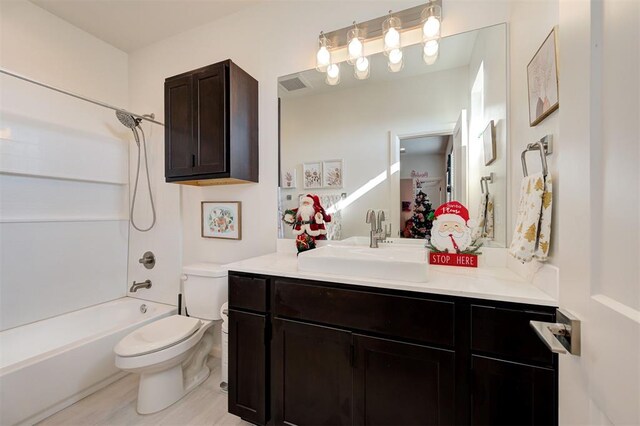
204,290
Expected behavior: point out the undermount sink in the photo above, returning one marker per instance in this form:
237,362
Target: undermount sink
386,263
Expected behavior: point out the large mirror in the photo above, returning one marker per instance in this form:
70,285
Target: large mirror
402,142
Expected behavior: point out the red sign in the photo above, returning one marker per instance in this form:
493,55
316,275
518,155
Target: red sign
448,259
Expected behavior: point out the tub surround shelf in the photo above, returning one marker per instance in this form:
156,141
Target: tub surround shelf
489,283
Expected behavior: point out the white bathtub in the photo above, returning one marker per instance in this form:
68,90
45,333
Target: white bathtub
50,364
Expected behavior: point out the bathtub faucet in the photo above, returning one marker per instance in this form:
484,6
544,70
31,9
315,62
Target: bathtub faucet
135,286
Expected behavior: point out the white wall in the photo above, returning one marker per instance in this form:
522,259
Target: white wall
433,164
354,124
63,169
267,41
489,51
529,24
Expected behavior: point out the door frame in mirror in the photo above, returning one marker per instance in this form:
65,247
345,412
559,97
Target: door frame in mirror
393,168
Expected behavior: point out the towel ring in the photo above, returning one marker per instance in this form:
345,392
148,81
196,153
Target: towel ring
485,181
545,147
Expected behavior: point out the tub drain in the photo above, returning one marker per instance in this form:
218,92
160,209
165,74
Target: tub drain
143,308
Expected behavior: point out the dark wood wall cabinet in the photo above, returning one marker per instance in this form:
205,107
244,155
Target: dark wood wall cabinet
211,126
315,353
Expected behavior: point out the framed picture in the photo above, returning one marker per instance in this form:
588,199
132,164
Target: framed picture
222,219
332,174
542,78
489,143
312,175
289,179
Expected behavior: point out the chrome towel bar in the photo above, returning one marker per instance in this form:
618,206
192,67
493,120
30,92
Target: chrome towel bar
545,146
485,181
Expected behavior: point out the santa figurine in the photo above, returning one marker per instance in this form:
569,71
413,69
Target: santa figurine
308,222
451,231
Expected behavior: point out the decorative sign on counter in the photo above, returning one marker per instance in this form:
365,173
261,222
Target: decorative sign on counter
451,243
466,260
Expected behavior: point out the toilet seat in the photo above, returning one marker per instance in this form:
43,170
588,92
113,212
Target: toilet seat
157,336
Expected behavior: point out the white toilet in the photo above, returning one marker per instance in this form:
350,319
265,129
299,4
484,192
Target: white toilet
170,354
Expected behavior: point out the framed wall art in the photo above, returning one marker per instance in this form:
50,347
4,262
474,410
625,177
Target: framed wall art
289,179
542,78
489,143
312,175
332,174
221,219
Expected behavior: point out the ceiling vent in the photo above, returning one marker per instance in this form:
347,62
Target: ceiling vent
294,83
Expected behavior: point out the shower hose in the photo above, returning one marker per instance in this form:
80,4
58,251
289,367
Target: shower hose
135,188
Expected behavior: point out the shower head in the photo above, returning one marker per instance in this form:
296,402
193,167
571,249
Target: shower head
127,119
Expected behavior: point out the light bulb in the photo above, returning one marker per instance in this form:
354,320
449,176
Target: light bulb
395,56
333,74
323,59
392,39
430,60
431,27
333,71
355,48
396,67
362,68
431,48
362,64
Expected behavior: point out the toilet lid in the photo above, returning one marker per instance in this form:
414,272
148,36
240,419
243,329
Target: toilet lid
158,335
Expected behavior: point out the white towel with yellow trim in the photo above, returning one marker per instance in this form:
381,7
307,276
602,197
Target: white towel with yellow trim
533,225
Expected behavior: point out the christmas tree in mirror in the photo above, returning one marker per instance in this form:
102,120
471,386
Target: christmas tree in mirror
421,222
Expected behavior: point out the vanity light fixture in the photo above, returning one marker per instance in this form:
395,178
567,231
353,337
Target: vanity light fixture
355,44
423,21
430,52
431,19
333,74
323,56
396,61
391,28
361,68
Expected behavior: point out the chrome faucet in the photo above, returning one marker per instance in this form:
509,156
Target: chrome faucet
135,286
377,233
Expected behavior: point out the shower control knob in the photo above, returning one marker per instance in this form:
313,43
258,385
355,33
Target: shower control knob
148,259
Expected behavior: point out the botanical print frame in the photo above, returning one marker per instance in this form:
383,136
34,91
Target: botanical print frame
489,143
333,173
312,175
542,80
289,179
221,219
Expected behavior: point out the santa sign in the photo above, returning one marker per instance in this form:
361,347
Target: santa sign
451,243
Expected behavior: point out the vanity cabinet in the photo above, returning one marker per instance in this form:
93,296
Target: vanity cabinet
248,366
337,354
312,367
211,126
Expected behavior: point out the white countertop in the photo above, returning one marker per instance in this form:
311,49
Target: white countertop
490,283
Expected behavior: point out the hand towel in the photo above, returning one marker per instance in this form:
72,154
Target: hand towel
544,230
478,231
485,221
490,219
533,224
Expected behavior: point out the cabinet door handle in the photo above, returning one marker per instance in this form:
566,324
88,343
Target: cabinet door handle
193,160
562,336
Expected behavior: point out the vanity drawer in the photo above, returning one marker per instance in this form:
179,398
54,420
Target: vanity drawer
430,321
507,332
248,293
